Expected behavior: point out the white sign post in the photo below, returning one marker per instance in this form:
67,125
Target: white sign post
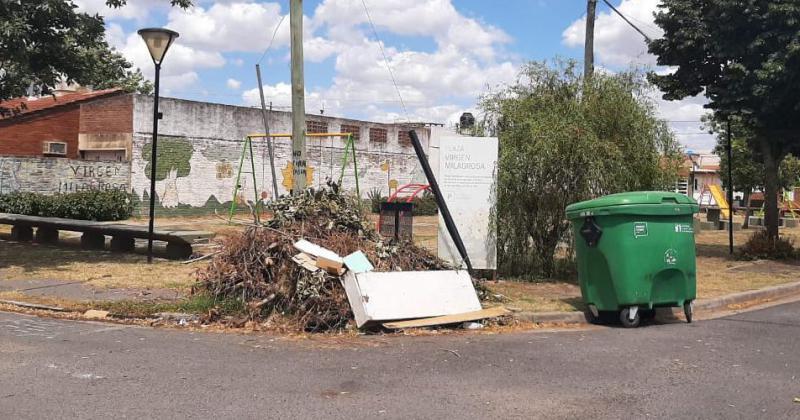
467,176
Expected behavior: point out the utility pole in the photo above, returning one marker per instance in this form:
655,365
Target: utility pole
588,45
729,152
298,98
266,131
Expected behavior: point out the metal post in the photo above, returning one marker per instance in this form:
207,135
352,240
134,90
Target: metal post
437,194
729,148
154,146
588,45
298,98
266,131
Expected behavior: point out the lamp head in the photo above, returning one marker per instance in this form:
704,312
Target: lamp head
158,41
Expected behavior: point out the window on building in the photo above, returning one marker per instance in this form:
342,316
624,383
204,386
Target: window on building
352,128
316,126
377,135
403,138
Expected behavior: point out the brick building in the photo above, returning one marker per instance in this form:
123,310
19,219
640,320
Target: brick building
60,125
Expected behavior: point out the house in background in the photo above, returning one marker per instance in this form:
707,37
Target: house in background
699,170
77,124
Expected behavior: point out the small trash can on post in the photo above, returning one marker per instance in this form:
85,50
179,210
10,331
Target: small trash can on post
635,251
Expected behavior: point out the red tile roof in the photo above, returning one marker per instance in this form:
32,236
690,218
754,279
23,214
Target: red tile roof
49,101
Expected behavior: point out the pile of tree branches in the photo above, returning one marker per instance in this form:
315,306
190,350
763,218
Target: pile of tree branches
256,265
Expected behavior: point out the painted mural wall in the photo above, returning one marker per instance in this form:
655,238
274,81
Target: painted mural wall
58,175
200,147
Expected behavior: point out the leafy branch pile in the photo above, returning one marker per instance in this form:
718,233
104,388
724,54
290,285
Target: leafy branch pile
256,265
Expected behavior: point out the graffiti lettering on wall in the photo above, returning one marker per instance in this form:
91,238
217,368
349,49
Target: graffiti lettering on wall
69,186
58,175
94,171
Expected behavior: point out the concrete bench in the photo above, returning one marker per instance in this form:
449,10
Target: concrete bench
123,236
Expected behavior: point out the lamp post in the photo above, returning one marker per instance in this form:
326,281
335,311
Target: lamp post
158,41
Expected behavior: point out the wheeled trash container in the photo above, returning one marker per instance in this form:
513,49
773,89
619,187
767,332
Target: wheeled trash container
635,251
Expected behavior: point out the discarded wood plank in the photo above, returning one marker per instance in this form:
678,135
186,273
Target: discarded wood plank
32,305
449,319
202,257
305,261
331,266
317,251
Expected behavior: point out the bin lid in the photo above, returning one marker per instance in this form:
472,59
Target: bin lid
636,202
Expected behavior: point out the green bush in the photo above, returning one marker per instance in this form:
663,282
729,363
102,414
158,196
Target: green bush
100,205
425,205
376,197
761,246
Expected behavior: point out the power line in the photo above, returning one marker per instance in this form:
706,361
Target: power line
647,38
385,59
275,32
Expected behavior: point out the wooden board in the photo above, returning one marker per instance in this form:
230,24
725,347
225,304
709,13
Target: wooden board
449,319
305,261
105,228
386,296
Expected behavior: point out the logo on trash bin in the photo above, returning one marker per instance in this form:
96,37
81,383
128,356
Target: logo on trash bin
639,229
684,228
671,256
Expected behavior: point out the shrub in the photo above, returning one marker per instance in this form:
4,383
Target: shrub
425,205
100,205
376,197
761,246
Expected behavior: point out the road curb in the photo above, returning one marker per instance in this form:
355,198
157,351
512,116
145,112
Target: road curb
704,306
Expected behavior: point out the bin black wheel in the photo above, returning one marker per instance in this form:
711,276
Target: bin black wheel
687,311
625,319
590,318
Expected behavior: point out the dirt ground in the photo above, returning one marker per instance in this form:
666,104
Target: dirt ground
102,275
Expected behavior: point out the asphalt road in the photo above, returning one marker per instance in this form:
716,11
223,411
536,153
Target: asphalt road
745,366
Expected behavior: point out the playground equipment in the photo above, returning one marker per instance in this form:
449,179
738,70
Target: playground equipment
409,191
714,192
247,151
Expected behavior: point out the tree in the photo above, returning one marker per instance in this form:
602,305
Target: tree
744,55
789,177
45,42
563,141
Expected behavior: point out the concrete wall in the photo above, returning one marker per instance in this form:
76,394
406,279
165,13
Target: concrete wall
200,145
59,175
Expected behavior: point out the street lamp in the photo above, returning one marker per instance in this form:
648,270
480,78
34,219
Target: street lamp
158,41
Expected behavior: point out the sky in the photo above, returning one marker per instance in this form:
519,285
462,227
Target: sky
443,54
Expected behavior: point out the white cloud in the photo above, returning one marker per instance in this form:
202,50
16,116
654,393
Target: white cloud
180,65
137,10
468,56
435,86
615,42
237,26
234,84
617,45
435,18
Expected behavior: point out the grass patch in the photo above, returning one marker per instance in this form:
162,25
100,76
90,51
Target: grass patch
68,262
196,304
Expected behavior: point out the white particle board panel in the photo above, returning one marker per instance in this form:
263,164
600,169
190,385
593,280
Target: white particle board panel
385,296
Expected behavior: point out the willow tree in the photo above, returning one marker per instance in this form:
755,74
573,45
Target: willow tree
563,140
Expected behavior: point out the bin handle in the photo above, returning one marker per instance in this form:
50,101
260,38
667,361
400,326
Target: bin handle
669,199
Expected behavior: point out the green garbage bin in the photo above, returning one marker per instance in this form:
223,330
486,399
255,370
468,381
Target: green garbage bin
635,251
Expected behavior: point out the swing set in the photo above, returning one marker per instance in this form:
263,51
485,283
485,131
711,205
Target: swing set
247,150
